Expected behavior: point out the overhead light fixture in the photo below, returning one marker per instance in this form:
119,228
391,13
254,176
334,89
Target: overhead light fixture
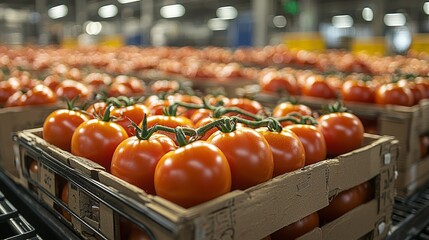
58,11
367,14
127,1
426,7
394,19
172,11
93,28
226,13
279,21
108,11
342,21
217,24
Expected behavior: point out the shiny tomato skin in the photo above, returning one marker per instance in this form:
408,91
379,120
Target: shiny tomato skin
316,86
200,114
40,95
168,121
298,228
343,132
193,174
392,93
125,115
246,104
367,191
96,109
65,199
97,140
274,82
156,106
135,160
59,126
357,91
285,108
288,151
249,156
312,140
164,86
7,88
204,122
341,204
16,99
70,89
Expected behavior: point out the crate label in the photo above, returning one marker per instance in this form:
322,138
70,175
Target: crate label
47,178
217,225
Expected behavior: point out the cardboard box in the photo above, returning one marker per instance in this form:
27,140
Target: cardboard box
15,119
406,124
249,214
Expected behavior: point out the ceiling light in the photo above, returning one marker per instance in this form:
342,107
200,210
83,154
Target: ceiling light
108,11
172,11
58,11
394,19
367,14
93,28
426,7
342,21
127,1
279,21
217,24
228,12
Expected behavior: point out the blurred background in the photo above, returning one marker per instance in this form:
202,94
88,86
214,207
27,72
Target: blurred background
376,26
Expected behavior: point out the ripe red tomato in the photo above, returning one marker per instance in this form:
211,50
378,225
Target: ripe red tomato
118,89
284,108
136,85
125,115
199,114
424,146
39,95
97,108
168,121
357,91
249,156
341,204
312,140
343,132
137,234
366,190
59,126
65,199
417,90
288,151
97,140
52,81
193,174
134,160
316,86
392,93
8,88
204,122
156,106
246,104
274,81
164,86
97,80
298,228
70,89
424,82
181,111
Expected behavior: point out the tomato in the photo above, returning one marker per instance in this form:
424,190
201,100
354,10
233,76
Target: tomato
284,108
204,122
97,108
417,90
138,234
8,88
288,151
70,89
312,140
366,190
249,156
65,199
343,132
392,93
34,167
52,81
59,126
168,121
134,160
185,99
125,115
136,85
39,95
274,81
117,89
370,125
97,80
97,140
164,86
424,82
193,174
246,104
341,204
200,114
357,91
298,228
156,106
424,146
316,86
